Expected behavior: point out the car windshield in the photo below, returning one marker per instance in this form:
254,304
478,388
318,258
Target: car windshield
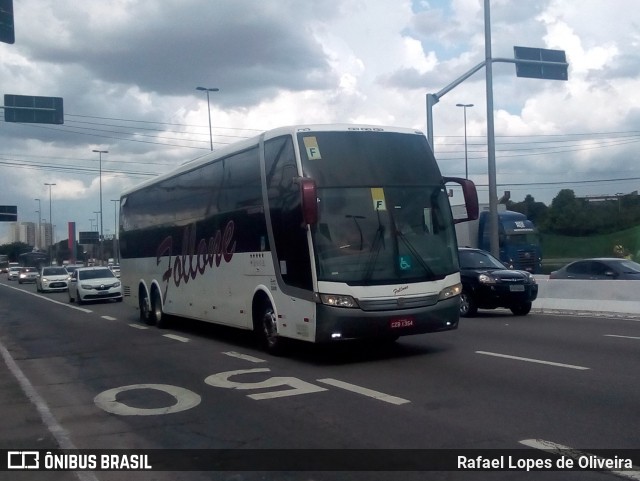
95,274
28,269
479,260
54,271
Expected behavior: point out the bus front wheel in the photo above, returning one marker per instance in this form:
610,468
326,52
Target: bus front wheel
268,326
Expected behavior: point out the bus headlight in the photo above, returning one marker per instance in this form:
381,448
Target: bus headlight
449,292
337,300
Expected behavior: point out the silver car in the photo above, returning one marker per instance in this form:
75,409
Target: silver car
52,279
94,283
13,274
27,274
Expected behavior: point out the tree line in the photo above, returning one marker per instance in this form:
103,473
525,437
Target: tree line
569,215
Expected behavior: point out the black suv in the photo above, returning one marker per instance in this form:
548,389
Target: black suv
487,284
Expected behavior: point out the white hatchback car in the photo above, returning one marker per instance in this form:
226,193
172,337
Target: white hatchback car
52,278
94,283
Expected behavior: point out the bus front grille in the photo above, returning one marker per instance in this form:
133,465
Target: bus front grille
397,303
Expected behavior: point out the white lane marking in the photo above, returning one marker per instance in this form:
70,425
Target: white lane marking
48,299
59,433
138,326
566,451
185,399
176,338
538,361
109,318
243,356
364,391
222,379
625,337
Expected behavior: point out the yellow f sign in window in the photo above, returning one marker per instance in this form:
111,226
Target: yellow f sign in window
377,194
313,151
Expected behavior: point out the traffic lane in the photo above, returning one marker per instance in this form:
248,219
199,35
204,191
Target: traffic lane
498,396
590,407
138,432
314,428
63,379
608,344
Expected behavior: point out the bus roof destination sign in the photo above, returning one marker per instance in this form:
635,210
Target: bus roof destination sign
29,109
541,63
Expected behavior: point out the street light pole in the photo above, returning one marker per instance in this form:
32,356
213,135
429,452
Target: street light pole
116,251
100,239
38,237
466,162
51,224
207,90
98,222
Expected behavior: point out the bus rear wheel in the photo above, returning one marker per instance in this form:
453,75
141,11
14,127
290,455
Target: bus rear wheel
158,317
145,308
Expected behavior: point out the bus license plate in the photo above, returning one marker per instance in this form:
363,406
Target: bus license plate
401,322
516,288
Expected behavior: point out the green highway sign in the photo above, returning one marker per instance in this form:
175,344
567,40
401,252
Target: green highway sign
541,63
8,213
29,109
7,31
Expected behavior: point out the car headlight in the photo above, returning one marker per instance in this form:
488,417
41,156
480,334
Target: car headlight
486,279
117,284
449,292
338,300
531,278
86,286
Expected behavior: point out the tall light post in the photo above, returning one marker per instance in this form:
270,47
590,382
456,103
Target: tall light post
38,239
466,162
98,222
100,239
51,224
116,251
205,89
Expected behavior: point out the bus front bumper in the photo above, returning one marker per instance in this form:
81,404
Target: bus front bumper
335,323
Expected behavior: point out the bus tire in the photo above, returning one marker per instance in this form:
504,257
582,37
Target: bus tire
144,307
159,318
268,330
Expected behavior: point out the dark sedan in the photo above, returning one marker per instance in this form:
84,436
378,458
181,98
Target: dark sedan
599,268
488,284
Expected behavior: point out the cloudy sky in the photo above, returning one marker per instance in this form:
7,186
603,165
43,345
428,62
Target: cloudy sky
128,71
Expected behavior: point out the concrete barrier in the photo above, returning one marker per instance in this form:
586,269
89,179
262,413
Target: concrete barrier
608,296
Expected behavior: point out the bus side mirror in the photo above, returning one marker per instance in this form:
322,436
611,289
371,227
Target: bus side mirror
470,198
309,198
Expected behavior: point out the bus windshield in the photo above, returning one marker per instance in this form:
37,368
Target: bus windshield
376,235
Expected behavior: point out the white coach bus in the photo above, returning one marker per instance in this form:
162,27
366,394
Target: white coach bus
317,233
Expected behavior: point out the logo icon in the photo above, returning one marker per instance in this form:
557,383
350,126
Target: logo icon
23,459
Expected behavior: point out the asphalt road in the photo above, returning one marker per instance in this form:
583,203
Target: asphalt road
94,377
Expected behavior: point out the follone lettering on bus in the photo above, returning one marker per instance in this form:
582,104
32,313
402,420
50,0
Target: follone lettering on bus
193,262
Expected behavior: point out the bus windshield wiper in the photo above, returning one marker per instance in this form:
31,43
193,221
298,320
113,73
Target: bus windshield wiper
378,241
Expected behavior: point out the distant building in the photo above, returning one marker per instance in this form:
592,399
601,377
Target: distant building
27,232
